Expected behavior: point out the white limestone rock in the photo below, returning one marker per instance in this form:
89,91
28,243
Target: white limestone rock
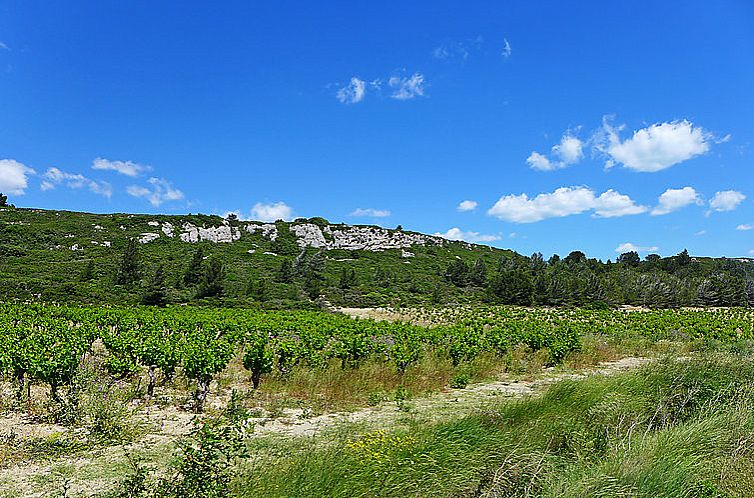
407,254
309,235
221,234
167,229
76,247
148,237
153,223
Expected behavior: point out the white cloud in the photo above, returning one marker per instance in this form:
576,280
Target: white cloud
674,199
745,227
370,212
507,49
407,88
127,168
456,233
352,93
727,200
3,46
611,204
271,212
655,147
629,247
564,201
54,177
14,177
160,191
569,151
458,50
467,205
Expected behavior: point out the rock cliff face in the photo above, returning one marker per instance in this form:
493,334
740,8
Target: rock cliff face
306,234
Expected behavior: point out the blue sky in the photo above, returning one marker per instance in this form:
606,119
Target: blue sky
596,126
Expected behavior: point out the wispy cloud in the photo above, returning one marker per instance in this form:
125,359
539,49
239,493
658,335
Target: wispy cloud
745,227
370,213
158,192
352,93
407,88
457,50
507,49
3,46
456,233
54,177
629,247
127,168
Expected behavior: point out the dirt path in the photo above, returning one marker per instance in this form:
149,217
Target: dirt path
440,406
96,471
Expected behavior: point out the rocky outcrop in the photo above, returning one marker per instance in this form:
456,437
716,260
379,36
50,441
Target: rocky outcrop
220,234
309,235
268,230
146,238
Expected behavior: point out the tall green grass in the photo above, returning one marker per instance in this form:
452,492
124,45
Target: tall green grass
673,429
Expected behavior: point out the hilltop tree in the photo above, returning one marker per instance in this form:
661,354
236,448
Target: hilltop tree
630,258
128,271
195,268
156,292
3,200
211,284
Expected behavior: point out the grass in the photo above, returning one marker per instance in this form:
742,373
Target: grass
679,428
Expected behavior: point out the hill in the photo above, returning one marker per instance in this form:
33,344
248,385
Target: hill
70,256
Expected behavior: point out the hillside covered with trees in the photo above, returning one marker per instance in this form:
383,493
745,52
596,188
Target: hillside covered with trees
62,256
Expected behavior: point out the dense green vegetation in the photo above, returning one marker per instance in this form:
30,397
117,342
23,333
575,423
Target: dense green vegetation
88,258
677,429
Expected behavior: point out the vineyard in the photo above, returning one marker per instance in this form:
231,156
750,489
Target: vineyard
46,344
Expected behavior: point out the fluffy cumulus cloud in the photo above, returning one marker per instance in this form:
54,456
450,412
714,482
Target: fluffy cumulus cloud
629,247
727,200
14,177
456,233
675,199
271,212
467,205
655,147
352,93
127,168
406,88
569,151
370,212
158,192
54,177
564,201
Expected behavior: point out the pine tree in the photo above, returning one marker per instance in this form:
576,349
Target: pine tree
478,273
257,289
195,269
347,278
285,272
156,293
128,271
88,273
3,200
211,284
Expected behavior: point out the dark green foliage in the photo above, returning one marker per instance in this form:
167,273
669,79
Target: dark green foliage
3,200
88,273
457,273
195,268
630,258
285,272
347,279
129,271
212,282
258,289
156,292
